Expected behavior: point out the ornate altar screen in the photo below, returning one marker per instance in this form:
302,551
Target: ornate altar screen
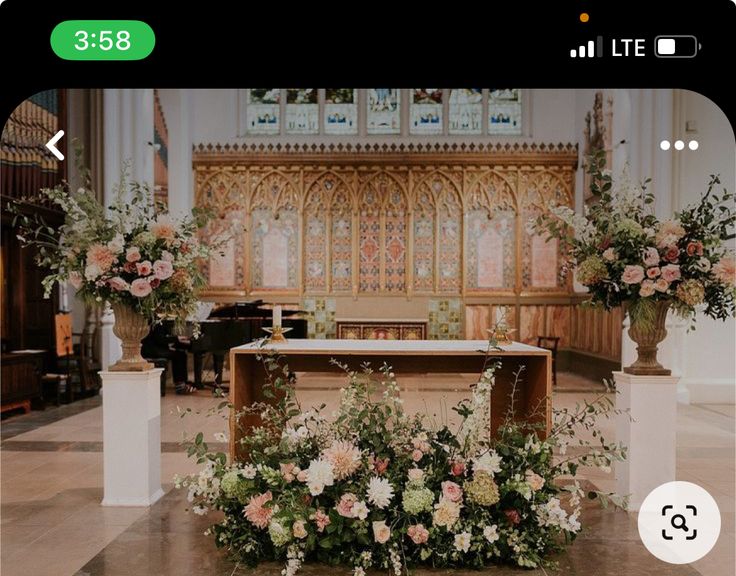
384,220
436,227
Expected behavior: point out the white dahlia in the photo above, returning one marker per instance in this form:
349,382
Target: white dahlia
319,475
379,492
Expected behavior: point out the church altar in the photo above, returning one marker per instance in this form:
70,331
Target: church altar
533,395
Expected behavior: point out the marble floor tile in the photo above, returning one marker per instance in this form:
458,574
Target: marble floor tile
52,484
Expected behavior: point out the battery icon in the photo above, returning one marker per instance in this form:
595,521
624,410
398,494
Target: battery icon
676,46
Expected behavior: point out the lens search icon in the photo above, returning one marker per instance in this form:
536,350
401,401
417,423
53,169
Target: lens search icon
678,522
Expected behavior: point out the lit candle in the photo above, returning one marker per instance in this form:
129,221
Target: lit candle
277,316
499,315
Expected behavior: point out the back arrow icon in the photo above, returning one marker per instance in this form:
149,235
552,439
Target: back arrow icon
51,145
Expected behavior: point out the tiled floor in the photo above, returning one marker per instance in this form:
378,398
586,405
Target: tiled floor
52,523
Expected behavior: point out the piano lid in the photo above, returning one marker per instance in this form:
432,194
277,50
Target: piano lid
251,309
237,309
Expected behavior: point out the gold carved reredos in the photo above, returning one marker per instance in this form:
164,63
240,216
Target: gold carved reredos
393,180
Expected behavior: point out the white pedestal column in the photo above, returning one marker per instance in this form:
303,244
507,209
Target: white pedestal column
131,413
648,430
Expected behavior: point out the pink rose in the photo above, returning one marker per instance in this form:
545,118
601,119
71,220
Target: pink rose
299,530
610,255
381,465
416,475
381,532
163,269
153,281
168,256
633,274
345,505
671,272
133,254
453,492
661,285
287,471
653,272
118,284
130,268
322,520
75,279
694,248
672,254
457,467
651,257
513,516
140,288
647,289
144,268
417,455
418,533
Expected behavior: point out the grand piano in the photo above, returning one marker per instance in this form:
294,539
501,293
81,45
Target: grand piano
233,325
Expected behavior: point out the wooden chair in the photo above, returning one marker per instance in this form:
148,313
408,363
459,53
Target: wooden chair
550,343
64,360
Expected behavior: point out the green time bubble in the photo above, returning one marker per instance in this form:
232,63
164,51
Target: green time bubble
102,40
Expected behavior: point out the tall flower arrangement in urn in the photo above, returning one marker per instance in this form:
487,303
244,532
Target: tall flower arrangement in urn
139,259
626,256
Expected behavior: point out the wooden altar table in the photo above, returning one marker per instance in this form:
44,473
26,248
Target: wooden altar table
247,372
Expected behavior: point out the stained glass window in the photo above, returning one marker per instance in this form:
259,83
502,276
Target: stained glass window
341,111
263,111
426,111
302,111
504,111
384,111
466,111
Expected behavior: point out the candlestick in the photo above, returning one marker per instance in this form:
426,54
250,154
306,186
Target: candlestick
277,316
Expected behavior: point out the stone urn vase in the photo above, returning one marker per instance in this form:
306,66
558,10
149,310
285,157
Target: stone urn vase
647,338
131,328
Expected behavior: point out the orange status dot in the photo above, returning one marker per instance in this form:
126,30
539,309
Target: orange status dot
584,17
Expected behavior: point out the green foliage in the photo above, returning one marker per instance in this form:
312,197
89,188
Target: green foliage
625,255
91,248
513,474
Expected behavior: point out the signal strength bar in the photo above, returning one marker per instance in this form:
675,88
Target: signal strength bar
589,50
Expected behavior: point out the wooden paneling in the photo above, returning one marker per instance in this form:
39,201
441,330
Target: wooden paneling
596,332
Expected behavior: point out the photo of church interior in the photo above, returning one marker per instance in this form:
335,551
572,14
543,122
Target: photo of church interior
355,220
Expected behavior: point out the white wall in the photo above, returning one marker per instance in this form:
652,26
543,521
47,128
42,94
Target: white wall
709,352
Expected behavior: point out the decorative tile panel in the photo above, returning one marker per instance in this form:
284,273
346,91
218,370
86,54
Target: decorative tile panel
320,315
445,319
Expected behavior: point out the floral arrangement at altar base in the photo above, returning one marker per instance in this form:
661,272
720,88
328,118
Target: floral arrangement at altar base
139,259
624,255
373,487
